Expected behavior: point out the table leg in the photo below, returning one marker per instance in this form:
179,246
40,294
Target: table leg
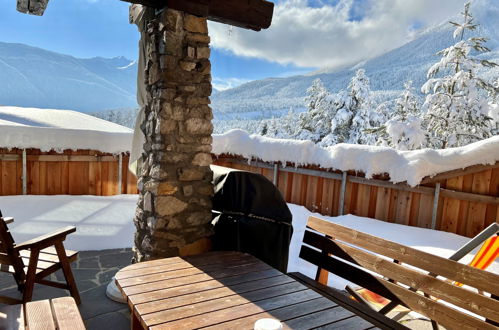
135,322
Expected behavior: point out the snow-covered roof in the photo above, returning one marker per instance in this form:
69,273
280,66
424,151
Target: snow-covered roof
48,129
410,166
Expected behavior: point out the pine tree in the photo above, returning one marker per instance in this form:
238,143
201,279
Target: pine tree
403,129
315,124
456,103
354,117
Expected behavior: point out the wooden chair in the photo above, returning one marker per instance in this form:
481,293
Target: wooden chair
32,261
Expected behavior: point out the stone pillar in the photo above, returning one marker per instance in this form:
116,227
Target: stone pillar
174,210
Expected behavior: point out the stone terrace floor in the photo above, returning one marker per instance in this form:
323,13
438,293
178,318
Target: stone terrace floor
93,271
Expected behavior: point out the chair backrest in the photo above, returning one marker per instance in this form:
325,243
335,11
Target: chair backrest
402,274
10,259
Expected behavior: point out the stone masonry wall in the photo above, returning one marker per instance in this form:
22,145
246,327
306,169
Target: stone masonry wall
175,190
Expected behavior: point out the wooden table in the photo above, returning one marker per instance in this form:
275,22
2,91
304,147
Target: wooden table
224,290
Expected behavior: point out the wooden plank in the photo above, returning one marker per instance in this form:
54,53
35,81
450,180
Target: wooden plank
254,15
283,314
175,291
212,304
214,271
490,214
464,206
66,314
150,267
382,203
54,174
441,289
450,214
231,313
145,289
351,323
459,172
12,317
318,194
363,193
424,214
310,189
39,315
392,206
277,282
373,196
414,209
319,319
403,207
476,213
453,270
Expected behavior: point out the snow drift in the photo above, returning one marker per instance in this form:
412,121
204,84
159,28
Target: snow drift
410,166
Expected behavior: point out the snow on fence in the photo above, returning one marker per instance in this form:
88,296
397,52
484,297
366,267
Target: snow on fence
454,190
460,201
81,172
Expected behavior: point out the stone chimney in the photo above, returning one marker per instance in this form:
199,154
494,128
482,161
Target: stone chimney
174,209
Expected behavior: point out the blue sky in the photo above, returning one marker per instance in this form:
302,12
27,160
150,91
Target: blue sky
305,34
89,28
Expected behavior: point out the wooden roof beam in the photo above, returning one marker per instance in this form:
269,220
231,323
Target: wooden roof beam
248,14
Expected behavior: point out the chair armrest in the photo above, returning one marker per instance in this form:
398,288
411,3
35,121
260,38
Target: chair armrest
46,240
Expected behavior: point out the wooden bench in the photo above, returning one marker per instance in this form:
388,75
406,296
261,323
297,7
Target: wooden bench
404,275
32,261
58,313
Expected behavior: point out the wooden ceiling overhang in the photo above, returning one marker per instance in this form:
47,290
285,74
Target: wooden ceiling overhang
247,14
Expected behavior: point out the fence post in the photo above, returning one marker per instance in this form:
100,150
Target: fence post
435,206
276,173
120,174
342,193
25,174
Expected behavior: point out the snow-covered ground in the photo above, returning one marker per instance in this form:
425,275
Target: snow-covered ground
106,222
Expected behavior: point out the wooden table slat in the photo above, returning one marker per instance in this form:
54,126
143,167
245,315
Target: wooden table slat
39,315
318,319
192,298
351,323
200,259
187,280
227,314
165,273
213,304
283,314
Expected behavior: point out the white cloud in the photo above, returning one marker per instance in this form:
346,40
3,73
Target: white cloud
221,84
327,36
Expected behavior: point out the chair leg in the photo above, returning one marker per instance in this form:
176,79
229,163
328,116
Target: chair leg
68,273
30,276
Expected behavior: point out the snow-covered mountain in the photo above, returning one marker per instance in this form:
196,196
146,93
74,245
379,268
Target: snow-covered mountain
34,77
387,72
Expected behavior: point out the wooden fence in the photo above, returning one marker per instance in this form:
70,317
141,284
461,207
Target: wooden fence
82,172
463,201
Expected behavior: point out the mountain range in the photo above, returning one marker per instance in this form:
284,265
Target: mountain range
387,72
35,77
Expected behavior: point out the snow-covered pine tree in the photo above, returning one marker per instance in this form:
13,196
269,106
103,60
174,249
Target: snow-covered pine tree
315,124
456,103
354,116
403,129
